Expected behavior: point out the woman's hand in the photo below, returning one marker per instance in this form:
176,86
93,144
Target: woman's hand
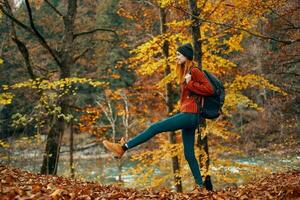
187,77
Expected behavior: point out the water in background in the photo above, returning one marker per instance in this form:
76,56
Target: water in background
94,164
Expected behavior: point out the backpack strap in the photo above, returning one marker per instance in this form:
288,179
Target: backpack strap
196,96
197,100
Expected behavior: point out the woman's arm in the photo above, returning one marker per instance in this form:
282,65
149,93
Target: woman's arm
199,84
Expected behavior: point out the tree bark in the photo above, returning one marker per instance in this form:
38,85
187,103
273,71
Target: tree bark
126,116
72,170
170,100
261,98
196,34
297,119
54,137
64,58
51,155
110,115
21,46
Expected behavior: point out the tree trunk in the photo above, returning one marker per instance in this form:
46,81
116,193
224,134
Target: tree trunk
72,170
297,119
21,45
51,155
298,128
114,132
170,101
261,98
120,166
202,142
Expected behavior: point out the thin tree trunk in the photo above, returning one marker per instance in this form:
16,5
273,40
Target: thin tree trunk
120,166
72,170
202,142
298,128
170,102
109,113
298,120
21,45
126,115
51,155
262,95
114,133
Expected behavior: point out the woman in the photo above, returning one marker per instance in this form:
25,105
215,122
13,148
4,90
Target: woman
192,80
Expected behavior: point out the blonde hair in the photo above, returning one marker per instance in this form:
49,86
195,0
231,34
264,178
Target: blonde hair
183,69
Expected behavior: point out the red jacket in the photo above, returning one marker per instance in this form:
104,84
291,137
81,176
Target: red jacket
199,85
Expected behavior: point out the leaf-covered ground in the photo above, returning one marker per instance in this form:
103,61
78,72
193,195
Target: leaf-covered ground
18,184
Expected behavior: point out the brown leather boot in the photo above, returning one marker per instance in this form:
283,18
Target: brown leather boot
115,148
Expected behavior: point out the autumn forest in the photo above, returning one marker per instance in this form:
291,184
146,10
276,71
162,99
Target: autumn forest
77,72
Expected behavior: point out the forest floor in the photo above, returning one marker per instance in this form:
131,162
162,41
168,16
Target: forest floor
18,184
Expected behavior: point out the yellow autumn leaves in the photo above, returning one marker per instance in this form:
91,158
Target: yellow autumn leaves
4,144
252,80
59,85
222,34
6,98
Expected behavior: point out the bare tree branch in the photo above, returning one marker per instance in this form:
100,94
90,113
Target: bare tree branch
287,73
147,3
39,36
203,5
238,28
88,49
290,28
41,68
84,52
25,27
214,10
282,17
94,31
53,7
31,31
2,44
291,62
21,46
24,51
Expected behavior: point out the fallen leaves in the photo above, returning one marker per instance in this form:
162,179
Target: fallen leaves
22,185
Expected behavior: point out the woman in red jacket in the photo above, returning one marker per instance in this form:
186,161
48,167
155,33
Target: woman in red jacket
192,81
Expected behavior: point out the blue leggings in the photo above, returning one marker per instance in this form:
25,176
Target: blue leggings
188,122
